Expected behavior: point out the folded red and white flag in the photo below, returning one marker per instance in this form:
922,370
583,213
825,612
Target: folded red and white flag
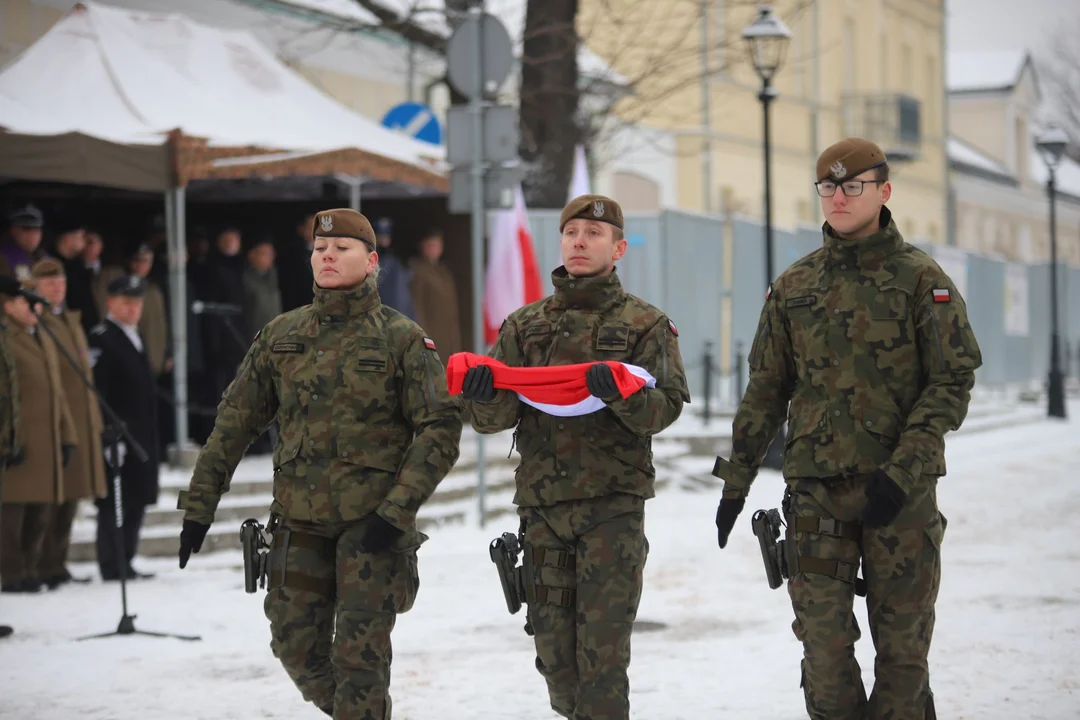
556,390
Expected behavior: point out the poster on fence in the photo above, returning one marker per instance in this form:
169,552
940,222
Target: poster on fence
1016,300
954,262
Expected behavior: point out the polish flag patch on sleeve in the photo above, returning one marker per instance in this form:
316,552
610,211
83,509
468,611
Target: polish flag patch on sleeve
429,343
674,330
941,295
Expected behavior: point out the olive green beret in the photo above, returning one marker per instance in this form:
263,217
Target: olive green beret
848,158
343,222
47,267
592,207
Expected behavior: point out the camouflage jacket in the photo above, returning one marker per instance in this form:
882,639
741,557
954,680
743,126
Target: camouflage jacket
366,422
10,438
869,341
609,451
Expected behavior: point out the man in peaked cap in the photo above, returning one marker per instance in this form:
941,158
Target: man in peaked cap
868,341
22,247
585,472
123,375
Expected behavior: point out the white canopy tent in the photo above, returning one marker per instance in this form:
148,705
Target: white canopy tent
150,102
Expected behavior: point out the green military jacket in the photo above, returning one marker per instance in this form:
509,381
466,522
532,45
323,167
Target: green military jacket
609,451
10,437
869,342
366,422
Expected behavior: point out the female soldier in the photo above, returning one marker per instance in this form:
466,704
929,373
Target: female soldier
367,432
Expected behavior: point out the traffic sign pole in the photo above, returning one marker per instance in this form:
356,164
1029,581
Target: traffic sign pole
476,106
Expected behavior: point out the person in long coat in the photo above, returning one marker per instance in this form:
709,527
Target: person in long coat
435,295
126,381
33,482
85,476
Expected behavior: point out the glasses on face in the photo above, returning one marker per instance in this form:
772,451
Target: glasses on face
851,188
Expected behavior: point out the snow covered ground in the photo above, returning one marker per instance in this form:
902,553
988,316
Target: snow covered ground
718,642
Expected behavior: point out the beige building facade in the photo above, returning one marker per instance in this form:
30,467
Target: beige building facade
872,68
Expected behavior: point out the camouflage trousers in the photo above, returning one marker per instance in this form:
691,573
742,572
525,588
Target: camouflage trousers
901,564
331,612
583,569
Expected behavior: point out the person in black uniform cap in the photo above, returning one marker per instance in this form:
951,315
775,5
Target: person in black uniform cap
126,381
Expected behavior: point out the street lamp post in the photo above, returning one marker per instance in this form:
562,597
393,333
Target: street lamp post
1052,145
767,40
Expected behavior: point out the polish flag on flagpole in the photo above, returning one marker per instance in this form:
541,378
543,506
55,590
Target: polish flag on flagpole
579,182
513,275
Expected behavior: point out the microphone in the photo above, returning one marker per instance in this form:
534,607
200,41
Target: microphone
212,308
11,286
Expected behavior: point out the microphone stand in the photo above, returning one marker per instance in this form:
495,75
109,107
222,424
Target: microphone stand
127,622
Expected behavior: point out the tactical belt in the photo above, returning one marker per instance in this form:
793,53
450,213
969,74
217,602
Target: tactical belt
326,547
826,526
549,557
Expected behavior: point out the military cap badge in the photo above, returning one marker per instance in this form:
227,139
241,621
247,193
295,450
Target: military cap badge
838,170
598,208
326,222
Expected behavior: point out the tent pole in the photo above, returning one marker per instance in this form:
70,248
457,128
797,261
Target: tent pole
175,214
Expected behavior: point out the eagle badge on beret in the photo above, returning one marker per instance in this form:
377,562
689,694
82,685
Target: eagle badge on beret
598,208
838,170
326,222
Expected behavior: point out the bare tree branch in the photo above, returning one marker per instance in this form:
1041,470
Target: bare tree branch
1059,72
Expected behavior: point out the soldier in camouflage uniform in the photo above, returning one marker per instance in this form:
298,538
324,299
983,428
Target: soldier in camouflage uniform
367,432
10,439
869,341
583,481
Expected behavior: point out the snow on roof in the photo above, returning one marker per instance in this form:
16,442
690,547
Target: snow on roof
131,77
983,70
960,152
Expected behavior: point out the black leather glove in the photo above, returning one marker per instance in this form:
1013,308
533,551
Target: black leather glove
17,458
479,384
601,382
726,514
380,535
191,540
67,452
884,500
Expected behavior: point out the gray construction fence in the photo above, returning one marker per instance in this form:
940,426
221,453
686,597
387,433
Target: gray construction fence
708,274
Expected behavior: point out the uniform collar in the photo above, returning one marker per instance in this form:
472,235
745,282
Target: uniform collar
592,293
353,302
865,251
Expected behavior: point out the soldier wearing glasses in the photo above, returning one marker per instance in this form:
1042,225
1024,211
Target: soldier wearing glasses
869,342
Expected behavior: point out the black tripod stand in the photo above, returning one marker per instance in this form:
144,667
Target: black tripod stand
127,622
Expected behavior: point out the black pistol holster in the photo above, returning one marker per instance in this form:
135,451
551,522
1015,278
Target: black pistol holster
255,540
504,552
766,524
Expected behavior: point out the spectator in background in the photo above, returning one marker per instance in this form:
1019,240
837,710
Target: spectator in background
91,257
393,275
261,288
154,321
226,337
435,294
84,477
22,246
294,267
71,241
35,483
126,381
